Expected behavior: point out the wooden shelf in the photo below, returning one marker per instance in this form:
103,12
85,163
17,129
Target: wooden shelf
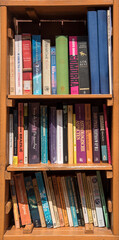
59,167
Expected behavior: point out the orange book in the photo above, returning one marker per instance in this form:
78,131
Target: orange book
15,204
20,133
58,203
22,199
64,211
70,134
89,153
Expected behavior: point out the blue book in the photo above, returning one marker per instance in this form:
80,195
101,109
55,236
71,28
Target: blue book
32,202
36,55
53,70
93,51
71,201
44,199
44,134
103,51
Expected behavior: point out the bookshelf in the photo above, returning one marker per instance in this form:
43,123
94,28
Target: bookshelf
60,9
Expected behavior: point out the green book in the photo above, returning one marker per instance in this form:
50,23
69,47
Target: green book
103,199
62,65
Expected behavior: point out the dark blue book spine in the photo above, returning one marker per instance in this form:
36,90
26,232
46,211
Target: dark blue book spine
53,70
103,51
52,135
93,51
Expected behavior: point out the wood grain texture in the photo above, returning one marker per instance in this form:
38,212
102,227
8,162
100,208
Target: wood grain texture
69,96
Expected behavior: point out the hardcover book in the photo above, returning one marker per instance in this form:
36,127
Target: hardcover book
52,135
12,67
53,71
65,134
10,138
18,65
20,133
15,204
89,152
25,133
44,134
96,139
103,138
15,136
59,136
107,134
110,62
46,66
74,138
70,134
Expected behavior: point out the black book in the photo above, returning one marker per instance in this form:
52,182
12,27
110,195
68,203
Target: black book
65,134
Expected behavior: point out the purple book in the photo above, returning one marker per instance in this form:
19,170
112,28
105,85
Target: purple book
96,139
80,133
34,138
52,135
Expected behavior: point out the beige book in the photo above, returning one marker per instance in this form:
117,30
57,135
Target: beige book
70,134
12,67
46,67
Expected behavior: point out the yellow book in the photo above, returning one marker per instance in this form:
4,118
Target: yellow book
74,138
70,134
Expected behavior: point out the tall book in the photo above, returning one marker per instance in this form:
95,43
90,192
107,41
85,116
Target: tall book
70,134
103,51
25,133
18,65
109,35
96,139
65,133
15,136
73,65
84,79
20,133
103,138
12,66
27,63
53,71
62,65
15,204
36,58
46,66
93,51
89,152
33,134
107,134
44,199
10,138
22,199
74,138
52,135
32,201
59,135
44,134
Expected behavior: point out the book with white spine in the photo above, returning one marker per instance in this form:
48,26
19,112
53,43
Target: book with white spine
109,35
12,66
18,65
59,136
46,67
10,138
25,133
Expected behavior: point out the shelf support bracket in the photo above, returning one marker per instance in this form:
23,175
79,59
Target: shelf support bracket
110,102
8,175
10,33
10,103
89,228
109,174
109,205
8,207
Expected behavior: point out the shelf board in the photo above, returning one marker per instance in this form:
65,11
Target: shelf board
59,167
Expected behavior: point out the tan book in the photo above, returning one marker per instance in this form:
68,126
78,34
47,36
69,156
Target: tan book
89,153
70,134
15,204
38,199
46,66
12,67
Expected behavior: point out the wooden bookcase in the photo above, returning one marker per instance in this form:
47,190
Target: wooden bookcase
59,9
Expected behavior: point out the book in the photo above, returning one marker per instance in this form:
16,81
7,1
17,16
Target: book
74,139
32,201
103,51
89,152
33,134
20,134
12,66
25,133
15,136
107,134
73,65
46,66
22,199
93,51
109,36
59,113
44,134
70,134
15,204
96,139
65,134
10,138
36,59
83,65
52,135
18,65
53,70
103,138
62,72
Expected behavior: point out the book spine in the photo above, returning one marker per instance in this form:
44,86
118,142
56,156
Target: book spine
39,204
109,35
25,133
46,67
14,203
84,81
20,134
96,141
52,135
73,64
44,199
32,201
59,136
89,152
33,135
53,70
12,67
80,133
10,138
70,134
15,136
22,199
36,58
44,134
18,65
62,65
74,138
103,138
65,134
107,134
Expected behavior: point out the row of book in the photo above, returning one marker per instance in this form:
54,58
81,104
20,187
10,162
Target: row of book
65,134
68,67
58,201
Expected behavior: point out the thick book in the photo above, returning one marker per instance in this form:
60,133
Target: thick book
53,70
12,66
103,143
52,135
59,113
46,66
14,204
25,133
15,136
83,65
110,62
36,59
103,51
73,65
107,134
96,138
11,138
22,199
62,65
65,134
20,133
89,152
32,201
93,51
70,134
44,199
44,134
33,134
18,65
74,138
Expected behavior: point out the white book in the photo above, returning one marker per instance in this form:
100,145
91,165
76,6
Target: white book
25,133
66,199
109,35
46,67
18,65
12,67
10,138
82,195
97,201
59,136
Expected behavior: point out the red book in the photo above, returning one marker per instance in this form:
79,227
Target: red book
20,134
107,134
27,64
